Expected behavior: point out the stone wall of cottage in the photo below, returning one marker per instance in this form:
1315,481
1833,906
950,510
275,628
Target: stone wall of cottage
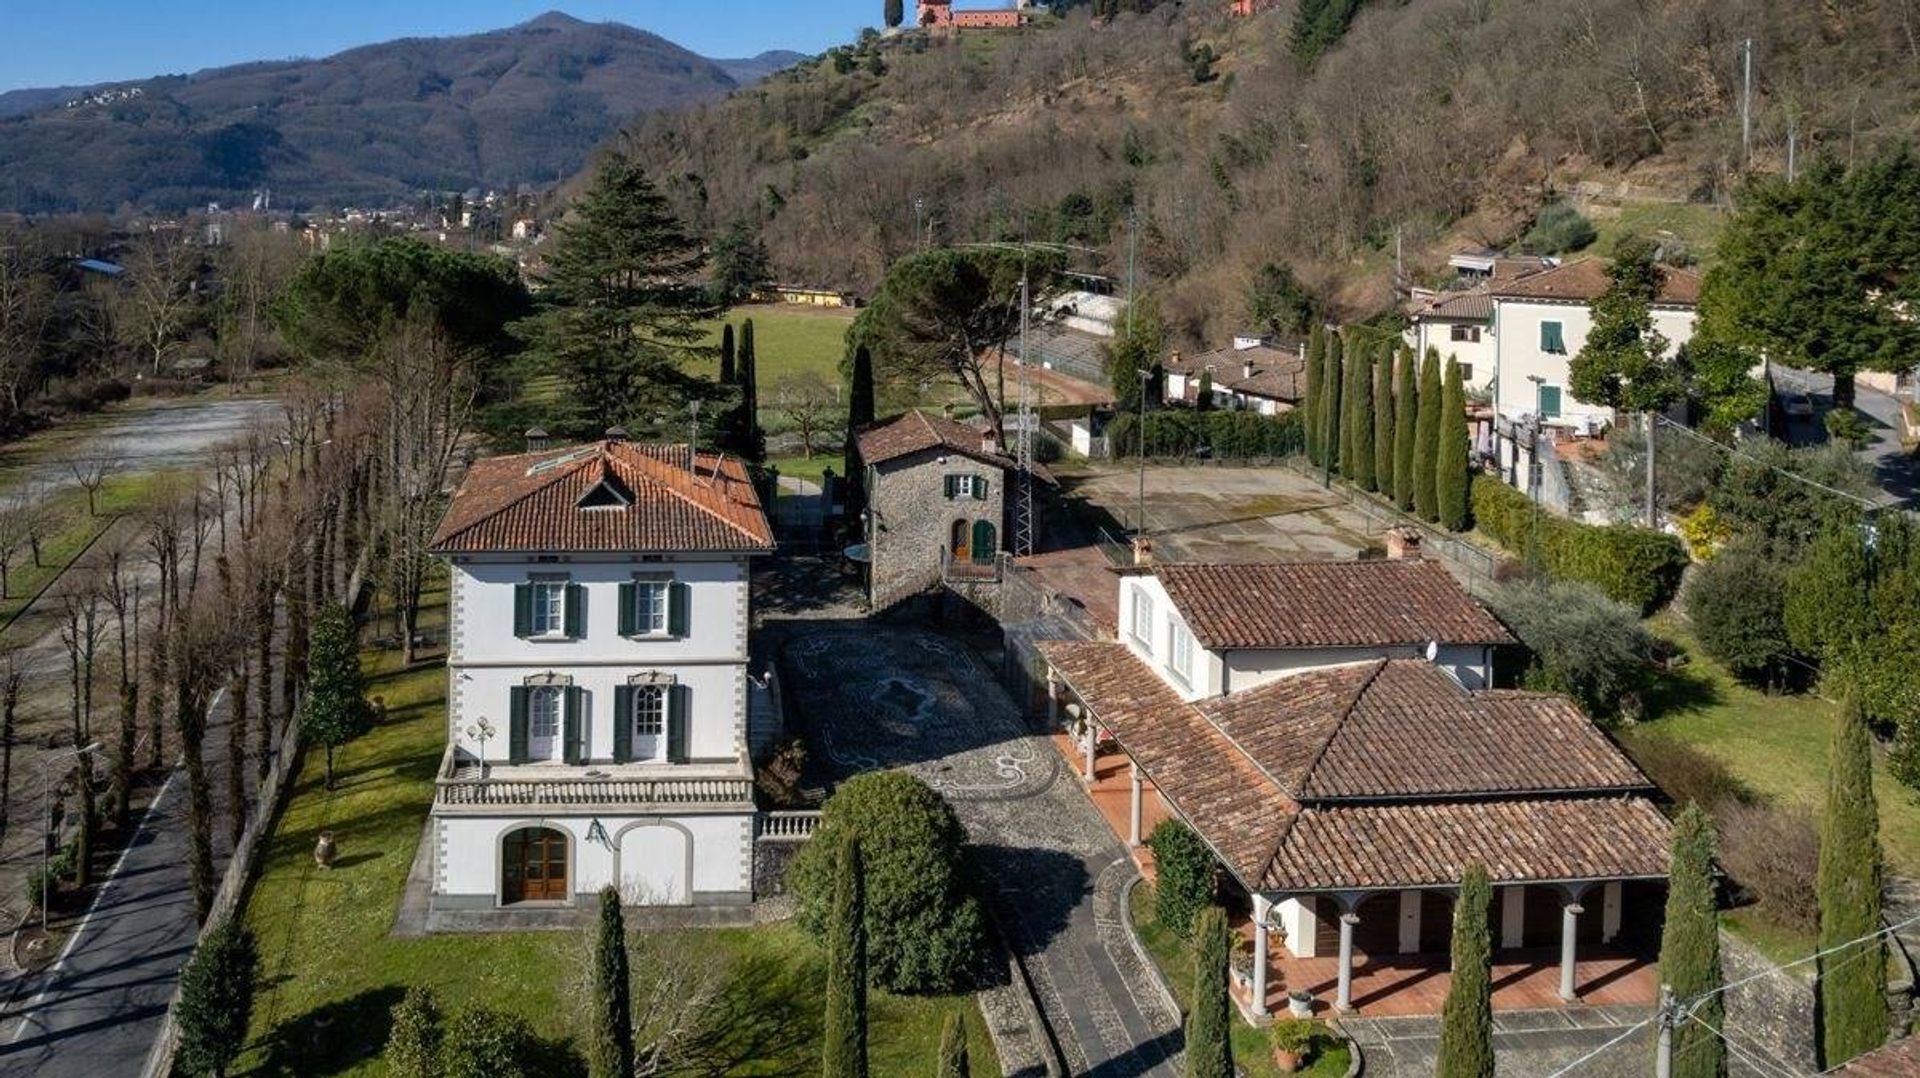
913,519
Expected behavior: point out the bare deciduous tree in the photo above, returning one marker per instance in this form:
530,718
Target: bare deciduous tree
91,474
122,593
157,302
808,402
26,309
80,635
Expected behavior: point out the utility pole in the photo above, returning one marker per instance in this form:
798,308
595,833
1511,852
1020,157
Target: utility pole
1023,437
1793,140
1746,104
1667,1016
1653,511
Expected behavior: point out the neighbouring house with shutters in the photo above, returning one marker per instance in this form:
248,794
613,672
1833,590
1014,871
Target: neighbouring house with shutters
598,690
936,505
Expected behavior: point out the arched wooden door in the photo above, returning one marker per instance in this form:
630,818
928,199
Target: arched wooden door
533,866
961,546
985,542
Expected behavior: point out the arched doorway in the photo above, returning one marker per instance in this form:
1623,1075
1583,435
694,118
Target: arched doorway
656,865
533,866
962,546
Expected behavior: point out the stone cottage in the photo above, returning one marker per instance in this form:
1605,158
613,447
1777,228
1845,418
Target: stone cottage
936,505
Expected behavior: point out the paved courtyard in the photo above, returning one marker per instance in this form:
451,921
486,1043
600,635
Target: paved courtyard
874,697
1230,514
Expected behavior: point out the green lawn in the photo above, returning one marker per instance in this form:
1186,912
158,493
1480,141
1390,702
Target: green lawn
331,972
790,339
1695,225
1251,1049
70,529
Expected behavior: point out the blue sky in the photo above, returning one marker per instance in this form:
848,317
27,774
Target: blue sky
77,42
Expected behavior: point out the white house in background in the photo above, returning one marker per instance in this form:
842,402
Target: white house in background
1459,322
598,692
1540,322
1255,374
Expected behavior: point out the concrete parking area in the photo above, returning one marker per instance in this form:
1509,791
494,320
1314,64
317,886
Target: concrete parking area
1226,513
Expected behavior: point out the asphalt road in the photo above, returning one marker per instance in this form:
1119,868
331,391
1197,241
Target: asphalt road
95,1012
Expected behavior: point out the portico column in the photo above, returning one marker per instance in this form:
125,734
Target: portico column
1053,702
1088,775
1261,910
1569,925
1343,1002
1133,812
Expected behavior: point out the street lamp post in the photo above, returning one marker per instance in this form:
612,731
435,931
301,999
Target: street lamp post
46,843
481,731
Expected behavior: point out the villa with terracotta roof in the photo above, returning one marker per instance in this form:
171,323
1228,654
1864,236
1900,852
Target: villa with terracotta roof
1254,373
1329,731
598,696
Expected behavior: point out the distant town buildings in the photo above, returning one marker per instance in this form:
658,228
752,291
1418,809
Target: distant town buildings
941,15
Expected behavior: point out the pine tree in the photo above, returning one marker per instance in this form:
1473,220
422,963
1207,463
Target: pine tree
1852,981
845,1052
1383,421
953,1047
1363,415
752,443
860,408
1406,410
726,354
1332,376
216,1000
1209,1017
1450,459
1310,405
1426,441
626,313
336,705
1690,947
1466,1020
610,1012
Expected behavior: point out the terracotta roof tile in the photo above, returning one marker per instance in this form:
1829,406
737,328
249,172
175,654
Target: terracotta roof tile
916,432
1327,604
531,502
1898,1060
1586,279
1473,305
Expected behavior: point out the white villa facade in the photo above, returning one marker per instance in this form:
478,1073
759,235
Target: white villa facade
598,689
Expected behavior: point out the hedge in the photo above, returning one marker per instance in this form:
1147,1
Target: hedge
1222,435
1635,566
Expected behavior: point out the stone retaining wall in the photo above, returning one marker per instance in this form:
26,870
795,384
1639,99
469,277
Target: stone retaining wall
1774,1013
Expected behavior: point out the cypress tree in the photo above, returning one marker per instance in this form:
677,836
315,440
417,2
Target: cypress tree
726,354
1362,421
1450,481
953,1047
1383,420
1426,440
860,407
845,1053
1354,363
1310,404
1209,1048
1690,947
610,1012
751,445
1203,395
1466,1020
1853,981
336,705
893,13
216,1000
1406,409
1332,375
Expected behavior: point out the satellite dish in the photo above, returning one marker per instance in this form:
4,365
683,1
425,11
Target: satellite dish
1433,651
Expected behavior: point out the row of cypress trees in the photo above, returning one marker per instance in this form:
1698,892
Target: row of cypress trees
740,368
1389,424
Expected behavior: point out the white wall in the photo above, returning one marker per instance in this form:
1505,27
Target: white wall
1205,677
483,612
1482,354
468,861
1245,669
1517,325
716,699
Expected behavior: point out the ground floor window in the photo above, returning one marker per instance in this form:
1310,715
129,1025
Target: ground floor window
533,866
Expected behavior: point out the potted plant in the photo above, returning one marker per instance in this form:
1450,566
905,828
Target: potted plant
1300,1003
1292,1043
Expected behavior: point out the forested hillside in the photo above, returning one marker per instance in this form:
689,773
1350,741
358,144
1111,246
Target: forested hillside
1451,121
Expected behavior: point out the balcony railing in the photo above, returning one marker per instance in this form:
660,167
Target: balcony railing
461,785
968,571
788,825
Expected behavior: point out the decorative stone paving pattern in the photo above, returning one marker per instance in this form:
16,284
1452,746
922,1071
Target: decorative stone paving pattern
1524,1042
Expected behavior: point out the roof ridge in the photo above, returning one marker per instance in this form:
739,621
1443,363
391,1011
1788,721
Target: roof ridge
1339,723
551,478
686,497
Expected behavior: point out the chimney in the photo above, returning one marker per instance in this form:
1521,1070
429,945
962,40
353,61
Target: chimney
616,434
536,439
1403,544
1246,369
1142,550
990,441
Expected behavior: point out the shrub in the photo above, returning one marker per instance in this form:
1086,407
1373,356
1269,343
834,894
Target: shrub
1293,1035
1184,866
1704,532
1736,604
1584,644
1844,425
1220,434
413,1046
1769,853
924,932
1209,1013
484,1043
1558,229
1635,566
1684,773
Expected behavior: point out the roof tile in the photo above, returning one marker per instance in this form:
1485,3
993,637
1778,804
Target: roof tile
1327,604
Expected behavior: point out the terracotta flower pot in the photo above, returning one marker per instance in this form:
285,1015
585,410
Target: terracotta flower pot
1288,1062
323,851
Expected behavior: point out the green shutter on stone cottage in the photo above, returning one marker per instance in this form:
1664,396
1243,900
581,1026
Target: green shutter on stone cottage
622,723
523,610
951,484
679,608
629,604
575,749
517,725
677,711
576,612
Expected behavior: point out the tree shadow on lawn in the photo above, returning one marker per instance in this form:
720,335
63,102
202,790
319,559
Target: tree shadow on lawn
767,1012
1679,690
332,1037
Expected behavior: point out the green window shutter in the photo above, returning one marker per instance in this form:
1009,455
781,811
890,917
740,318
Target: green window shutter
629,599
523,610
677,700
952,485
679,613
1552,341
622,724
1549,402
517,725
576,611
979,488
575,750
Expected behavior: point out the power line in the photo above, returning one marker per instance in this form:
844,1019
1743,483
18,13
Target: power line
1795,476
1597,1052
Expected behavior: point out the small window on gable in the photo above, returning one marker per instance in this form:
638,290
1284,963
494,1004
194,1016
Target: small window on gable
608,493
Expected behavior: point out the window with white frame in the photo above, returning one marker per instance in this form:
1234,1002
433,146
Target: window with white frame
549,608
1466,333
1180,652
1143,617
1466,372
543,722
649,722
650,606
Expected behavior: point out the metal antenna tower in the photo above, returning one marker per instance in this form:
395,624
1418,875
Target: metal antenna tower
1023,435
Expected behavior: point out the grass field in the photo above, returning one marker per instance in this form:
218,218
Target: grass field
330,972
1251,1049
790,339
1696,226
70,528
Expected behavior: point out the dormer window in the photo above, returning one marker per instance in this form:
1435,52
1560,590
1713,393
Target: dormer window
1180,652
608,493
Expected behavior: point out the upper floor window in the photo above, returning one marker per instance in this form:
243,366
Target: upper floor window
1466,372
1143,617
650,606
1469,334
653,604
1180,652
966,486
1553,339
548,608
